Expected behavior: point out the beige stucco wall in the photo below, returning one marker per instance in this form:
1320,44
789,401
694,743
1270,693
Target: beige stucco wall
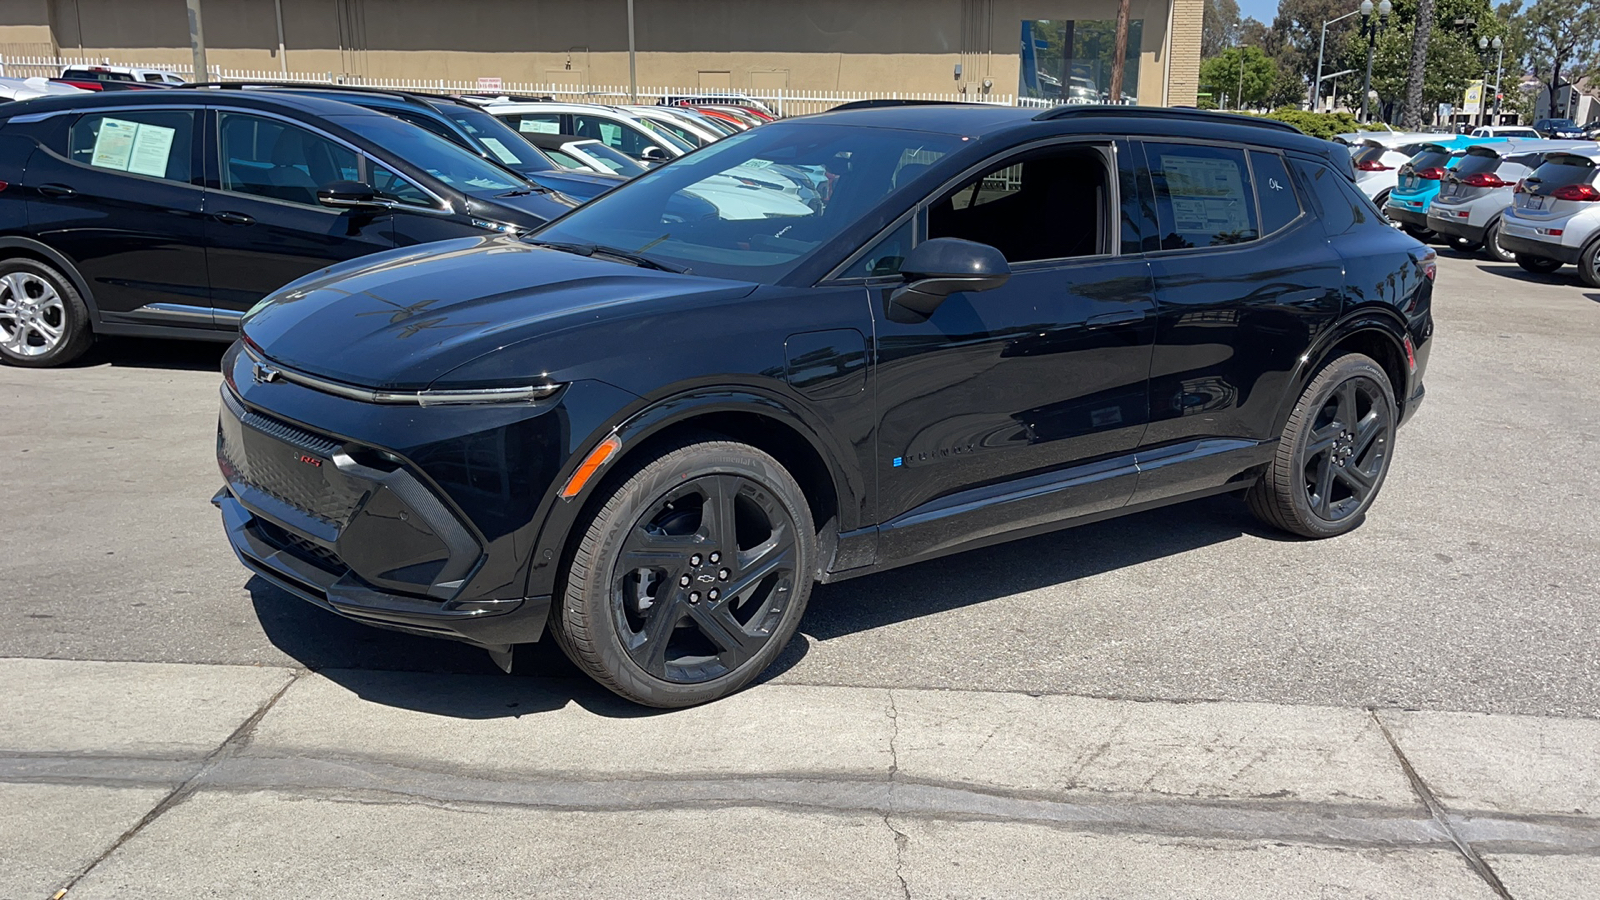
817,45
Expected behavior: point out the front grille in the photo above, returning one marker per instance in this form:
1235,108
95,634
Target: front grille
313,553
289,463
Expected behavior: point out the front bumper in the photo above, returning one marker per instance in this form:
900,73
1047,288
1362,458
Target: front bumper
1519,244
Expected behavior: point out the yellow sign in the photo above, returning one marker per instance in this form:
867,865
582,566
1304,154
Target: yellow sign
1474,98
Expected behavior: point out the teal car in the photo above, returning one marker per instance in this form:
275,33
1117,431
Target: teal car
1420,178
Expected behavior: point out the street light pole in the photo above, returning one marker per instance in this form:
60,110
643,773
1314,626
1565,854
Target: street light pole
1316,86
1483,86
1370,29
633,69
1499,67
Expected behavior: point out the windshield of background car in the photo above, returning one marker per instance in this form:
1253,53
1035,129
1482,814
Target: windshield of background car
497,137
756,205
1560,170
1434,158
1560,125
1473,163
1367,154
667,137
615,160
456,166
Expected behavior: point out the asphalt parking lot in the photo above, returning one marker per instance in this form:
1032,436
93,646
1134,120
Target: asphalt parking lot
1472,588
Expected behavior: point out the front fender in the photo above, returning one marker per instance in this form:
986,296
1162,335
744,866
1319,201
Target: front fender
639,422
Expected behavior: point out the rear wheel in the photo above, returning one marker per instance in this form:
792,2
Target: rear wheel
1589,265
1334,453
1382,200
43,321
692,576
1491,244
1538,265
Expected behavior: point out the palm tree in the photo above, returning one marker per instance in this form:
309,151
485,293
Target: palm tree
1411,110
1120,60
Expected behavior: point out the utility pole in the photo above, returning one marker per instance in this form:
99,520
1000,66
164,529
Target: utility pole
197,42
633,68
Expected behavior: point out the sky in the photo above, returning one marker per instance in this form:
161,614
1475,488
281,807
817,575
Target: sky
1262,10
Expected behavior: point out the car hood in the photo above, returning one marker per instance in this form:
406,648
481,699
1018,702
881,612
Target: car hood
402,318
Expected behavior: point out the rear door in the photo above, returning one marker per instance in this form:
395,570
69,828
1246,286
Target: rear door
118,192
264,227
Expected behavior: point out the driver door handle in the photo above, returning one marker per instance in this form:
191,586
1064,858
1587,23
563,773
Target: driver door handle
56,190
235,218
1121,317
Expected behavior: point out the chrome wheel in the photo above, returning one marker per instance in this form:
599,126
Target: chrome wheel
33,315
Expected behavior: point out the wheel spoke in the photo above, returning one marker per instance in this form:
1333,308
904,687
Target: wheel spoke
717,524
1370,428
776,553
718,624
15,286
650,651
1324,486
1347,404
1359,481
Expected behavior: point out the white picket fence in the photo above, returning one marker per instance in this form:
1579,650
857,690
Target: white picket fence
784,102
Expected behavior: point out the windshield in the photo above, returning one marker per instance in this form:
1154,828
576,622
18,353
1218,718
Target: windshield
456,166
1560,170
497,137
666,136
756,205
615,160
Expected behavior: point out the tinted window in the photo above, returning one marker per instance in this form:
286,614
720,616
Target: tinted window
1431,158
422,120
450,163
1203,196
1559,170
1275,191
534,123
157,144
495,136
1341,207
616,135
885,256
1474,163
1051,204
391,186
1367,154
756,205
271,158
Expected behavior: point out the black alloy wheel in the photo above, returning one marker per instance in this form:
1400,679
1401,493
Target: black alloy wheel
1538,265
691,578
1491,244
1334,453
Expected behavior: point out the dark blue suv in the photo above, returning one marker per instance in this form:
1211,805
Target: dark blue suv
170,213
651,425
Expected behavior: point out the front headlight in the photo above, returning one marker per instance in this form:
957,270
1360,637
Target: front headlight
469,396
499,227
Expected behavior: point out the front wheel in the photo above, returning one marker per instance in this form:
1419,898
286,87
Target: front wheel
1538,265
1589,265
692,576
1491,244
1334,453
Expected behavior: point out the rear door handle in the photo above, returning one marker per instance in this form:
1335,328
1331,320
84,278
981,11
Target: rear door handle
235,218
56,190
1121,317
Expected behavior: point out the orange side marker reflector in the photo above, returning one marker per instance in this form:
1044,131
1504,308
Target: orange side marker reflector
591,464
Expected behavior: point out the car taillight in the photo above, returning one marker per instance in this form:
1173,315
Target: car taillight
1430,265
1373,165
1485,179
1518,188
1583,192
1432,173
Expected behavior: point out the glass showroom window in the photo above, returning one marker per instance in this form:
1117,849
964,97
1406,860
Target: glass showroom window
1070,60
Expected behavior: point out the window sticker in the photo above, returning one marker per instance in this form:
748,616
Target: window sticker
1207,195
133,147
535,126
500,151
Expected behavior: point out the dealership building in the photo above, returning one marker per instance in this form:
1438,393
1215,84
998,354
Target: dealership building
1041,48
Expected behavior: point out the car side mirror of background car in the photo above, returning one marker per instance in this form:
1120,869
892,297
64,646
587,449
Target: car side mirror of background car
349,195
937,268
653,154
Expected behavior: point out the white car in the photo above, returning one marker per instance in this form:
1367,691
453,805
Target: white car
584,154
1506,131
687,125
1554,217
123,73
1378,157
28,88
1473,195
618,129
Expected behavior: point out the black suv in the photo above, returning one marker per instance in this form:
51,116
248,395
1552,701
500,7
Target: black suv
170,213
654,423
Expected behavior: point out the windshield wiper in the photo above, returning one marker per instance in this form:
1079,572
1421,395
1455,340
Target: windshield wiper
643,262
523,192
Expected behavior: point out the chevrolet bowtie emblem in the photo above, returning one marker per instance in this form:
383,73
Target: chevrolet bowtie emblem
265,374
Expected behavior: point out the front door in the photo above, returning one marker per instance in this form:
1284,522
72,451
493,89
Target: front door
1020,405
264,227
124,203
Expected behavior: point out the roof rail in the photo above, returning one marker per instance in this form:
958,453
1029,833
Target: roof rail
500,96
398,93
885,102
1161,112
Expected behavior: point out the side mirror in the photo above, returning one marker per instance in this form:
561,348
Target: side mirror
940,267
653,154
349,195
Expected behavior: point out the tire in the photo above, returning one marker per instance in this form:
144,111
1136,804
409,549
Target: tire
43,320
1417,231
1464,245
1334,452
660,605
1382,201
1589,265
1538,265
1491,244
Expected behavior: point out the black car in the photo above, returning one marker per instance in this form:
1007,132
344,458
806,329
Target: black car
1558,129
650,426
463,123
169,213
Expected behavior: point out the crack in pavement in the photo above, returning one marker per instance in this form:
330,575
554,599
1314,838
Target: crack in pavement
900,838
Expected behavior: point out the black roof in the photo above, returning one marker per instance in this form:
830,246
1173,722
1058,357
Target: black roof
308,103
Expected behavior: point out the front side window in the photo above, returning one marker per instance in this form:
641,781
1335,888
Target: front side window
153,143
1204,196
885,256
757,205
391,186
1047,204
272,158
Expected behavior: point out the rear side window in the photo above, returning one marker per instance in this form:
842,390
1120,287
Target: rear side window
1342,206
1275,190
535,123
1204,196
153,143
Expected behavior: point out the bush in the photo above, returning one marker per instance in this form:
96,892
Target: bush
1322,125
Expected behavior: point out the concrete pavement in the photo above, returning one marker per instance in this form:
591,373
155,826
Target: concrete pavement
152,780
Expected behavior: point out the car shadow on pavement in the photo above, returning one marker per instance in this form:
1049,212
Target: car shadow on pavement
149,353
1512,270
392,668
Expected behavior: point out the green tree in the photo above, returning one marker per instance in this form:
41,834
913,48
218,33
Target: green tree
1245,74
1453,60
1561,39
1411,111
1219,28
